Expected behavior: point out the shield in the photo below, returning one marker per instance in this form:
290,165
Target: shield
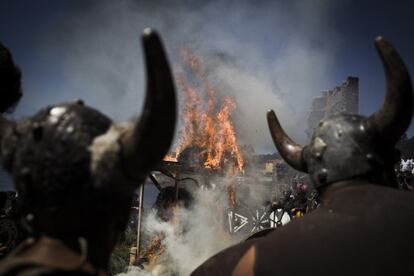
245,220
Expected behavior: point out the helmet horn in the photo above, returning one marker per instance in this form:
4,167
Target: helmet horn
393,118
145,145
290,151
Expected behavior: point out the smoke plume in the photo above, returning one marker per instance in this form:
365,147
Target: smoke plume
267,54
264,54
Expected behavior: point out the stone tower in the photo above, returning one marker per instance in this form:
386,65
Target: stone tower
343,98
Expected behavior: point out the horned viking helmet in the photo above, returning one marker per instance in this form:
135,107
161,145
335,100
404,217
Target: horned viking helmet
69,158
347,146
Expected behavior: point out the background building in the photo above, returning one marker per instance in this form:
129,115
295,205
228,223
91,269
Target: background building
343,98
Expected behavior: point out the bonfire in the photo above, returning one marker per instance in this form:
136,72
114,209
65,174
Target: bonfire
207,137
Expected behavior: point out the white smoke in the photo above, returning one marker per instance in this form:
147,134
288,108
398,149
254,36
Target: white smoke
266,54
197,233
272,54
204,234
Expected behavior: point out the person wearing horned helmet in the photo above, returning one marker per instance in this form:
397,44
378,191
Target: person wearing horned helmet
364,224
76,171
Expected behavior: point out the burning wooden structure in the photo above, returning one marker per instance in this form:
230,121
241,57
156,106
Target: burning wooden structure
207,155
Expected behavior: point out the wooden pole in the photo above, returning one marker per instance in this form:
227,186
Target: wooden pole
139,218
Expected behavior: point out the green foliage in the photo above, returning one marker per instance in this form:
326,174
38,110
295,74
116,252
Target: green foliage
120,256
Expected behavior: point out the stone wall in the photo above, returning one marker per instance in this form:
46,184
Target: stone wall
341,99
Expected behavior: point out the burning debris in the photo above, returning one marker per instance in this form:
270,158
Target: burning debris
155,249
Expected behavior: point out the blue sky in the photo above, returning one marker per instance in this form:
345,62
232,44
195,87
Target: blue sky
284,51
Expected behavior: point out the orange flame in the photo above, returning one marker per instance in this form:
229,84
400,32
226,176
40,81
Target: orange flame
206,121
170,157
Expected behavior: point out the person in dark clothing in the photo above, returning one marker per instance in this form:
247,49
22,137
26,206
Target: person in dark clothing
364,224
11,230
76,171
10,81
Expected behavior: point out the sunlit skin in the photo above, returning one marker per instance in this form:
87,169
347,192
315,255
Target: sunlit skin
245,267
